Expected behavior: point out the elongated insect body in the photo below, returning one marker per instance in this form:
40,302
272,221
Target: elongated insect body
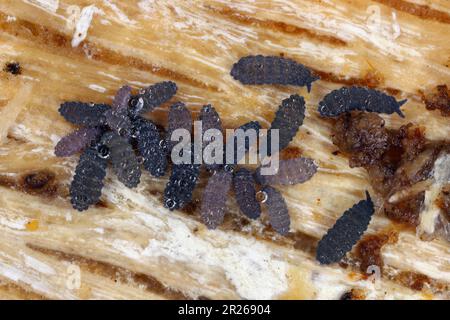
87,183
290,172
277,210
214,198
348,99
182,182
178,191
84,114
151,146
288,119
122,98
152,97
76,141
180,117
257,70
210,120
117,117
347,230
124,161
245,193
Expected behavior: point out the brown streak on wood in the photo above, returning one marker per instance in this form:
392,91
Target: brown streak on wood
113,272
10,290
275,25
421,11
47,37
367,81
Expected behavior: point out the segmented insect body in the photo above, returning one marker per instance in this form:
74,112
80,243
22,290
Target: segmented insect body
178,191
179,118
76,141
210,120
87,183
272,70
122,98
288,119
277,210
348,99
347,230
152,97
245,193
151,146
214,198
290,172
117,117
124,161
85,114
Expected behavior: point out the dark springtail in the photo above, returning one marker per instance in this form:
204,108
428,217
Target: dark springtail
215,197
179,118
84,114
288,119
260,69
245,193
346,232
87,183
151,146
117,117
291,171
152,97
124,161
348,99
210,120
181,184
76,141
277,210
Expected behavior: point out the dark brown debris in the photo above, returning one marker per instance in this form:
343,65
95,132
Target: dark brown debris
368,250
439,100
13,68
363,135
394,159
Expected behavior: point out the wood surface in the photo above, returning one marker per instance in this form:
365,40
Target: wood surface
129,246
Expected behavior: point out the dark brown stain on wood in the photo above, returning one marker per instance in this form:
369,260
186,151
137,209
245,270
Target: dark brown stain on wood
44,36
290,153
279,26
13,67
421,11
39,183
102,204
20,292
413,280
304,242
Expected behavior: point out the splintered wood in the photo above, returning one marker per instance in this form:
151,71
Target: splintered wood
129,245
